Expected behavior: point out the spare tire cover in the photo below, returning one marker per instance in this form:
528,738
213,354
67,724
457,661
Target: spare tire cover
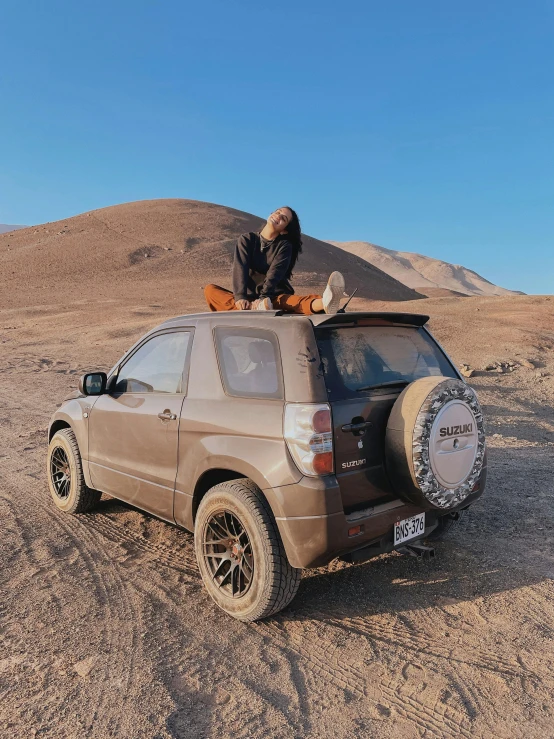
435,442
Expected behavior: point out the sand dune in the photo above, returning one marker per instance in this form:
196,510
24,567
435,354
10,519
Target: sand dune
432,277
160,245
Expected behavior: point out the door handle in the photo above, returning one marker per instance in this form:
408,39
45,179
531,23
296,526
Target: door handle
354,427
167,415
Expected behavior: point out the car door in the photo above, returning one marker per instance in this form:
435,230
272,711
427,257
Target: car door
134,429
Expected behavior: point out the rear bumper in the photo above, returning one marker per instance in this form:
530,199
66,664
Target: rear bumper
313,541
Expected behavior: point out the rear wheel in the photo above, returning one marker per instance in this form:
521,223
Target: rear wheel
65,475
240,554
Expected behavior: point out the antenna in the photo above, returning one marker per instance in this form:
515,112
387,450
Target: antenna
344,307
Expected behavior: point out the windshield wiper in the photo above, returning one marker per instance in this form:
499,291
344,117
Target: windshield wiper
390,383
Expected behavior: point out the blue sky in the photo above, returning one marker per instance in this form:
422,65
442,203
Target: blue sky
424,127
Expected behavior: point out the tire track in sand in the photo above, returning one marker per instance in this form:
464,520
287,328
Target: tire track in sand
162,555
116,626
322,658
417,641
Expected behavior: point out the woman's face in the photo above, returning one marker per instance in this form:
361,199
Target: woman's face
280,219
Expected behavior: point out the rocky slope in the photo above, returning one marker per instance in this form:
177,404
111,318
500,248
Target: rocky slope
433,277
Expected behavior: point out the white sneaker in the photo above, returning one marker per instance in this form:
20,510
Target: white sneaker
264,304
333,292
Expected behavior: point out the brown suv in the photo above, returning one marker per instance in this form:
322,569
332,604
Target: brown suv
282,441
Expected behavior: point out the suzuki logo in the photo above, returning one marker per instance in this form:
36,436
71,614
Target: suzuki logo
354,463
465,428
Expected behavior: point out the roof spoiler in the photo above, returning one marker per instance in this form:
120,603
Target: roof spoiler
369,319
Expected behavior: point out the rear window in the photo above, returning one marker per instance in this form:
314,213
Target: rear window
356,358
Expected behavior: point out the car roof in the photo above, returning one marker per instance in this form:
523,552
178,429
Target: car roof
317,319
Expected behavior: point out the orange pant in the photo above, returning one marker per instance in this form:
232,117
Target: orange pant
218,298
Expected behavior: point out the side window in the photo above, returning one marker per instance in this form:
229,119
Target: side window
250,362
157,367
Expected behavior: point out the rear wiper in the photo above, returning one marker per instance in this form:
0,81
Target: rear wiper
390,383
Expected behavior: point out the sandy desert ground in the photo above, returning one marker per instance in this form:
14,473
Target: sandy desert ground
106,630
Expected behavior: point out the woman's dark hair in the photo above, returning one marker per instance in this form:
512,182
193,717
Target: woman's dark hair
294,235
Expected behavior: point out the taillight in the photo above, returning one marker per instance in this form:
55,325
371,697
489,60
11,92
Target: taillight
309,436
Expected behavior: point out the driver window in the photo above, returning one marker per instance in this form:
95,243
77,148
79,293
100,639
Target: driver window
157,367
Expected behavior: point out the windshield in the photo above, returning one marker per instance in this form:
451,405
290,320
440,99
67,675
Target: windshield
355,359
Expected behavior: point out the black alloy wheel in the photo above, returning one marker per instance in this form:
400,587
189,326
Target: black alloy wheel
60,473
228,553
64,471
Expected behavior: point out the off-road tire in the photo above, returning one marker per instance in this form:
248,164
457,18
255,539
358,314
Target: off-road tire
274,582
80,498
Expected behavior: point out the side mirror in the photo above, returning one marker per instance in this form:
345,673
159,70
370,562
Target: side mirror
93,383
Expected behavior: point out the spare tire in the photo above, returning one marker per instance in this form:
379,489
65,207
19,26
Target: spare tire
435,442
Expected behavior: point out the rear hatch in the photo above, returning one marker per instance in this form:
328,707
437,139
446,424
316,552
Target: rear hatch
366,367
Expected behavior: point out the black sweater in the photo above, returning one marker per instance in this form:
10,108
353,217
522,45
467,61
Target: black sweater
261,270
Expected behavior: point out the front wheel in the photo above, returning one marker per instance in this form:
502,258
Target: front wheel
240,554
65,475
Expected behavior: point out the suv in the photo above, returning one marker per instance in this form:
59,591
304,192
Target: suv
282,441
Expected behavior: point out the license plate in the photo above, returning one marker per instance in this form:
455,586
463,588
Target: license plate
409,528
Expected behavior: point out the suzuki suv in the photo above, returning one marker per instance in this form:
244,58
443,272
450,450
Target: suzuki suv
281,441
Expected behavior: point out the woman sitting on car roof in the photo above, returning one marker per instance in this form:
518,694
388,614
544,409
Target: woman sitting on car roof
262,268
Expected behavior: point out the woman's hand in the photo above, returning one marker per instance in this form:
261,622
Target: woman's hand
242,304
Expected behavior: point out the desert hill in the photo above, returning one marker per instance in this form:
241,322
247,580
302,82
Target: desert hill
429,276
155,247
5,227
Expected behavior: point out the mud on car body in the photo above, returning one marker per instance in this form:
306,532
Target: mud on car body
281,441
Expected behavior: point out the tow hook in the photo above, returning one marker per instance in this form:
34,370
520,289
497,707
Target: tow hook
417,550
